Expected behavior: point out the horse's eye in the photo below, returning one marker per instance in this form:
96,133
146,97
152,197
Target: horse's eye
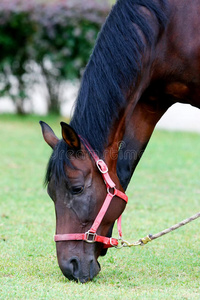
76,190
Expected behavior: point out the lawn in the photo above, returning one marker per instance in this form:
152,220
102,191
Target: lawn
165,189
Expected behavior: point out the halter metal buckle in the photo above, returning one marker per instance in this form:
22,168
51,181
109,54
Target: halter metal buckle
90,237
100,163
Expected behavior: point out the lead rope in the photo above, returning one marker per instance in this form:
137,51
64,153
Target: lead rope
150,237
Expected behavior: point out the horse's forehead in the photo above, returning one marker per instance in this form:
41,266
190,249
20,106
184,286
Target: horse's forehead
78,167
73,173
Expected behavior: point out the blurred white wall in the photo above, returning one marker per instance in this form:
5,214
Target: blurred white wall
182,117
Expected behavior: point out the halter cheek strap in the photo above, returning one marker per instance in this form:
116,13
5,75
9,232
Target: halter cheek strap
91,236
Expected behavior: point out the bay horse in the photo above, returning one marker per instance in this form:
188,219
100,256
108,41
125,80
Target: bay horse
146,58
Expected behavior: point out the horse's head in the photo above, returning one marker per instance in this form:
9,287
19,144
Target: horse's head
78,191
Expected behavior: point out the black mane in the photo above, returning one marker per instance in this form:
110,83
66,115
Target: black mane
114,66
58,159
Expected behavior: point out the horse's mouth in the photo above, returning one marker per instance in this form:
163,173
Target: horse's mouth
74,269
93,272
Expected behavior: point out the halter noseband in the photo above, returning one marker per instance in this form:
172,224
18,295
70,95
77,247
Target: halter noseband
91,236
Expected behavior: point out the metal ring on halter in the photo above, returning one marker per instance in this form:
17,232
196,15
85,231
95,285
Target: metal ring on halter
117,247
109,192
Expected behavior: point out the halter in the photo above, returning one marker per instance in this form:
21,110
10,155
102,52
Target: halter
91,236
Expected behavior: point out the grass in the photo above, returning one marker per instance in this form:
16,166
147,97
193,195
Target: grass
164,190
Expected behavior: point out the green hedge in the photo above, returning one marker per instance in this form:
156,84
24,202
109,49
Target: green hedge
51,40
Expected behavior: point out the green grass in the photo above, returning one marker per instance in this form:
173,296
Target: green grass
164,190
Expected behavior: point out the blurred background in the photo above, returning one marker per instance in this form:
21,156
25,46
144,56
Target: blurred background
45,46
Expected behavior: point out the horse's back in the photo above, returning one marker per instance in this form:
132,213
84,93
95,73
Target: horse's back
186,25
178,54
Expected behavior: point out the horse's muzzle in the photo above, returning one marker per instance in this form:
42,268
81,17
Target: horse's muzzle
76,270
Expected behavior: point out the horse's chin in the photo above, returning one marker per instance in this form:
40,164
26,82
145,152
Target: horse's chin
109,234
103,252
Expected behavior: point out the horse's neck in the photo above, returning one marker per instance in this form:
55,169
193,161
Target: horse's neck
131,135
130,124
131,132
125,144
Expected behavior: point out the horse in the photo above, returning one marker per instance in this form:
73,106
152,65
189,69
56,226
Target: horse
146,58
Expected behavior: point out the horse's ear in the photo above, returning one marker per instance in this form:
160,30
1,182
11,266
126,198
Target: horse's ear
49,135
70,137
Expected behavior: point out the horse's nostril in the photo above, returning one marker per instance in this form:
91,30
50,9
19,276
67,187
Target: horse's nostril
71,268
75,266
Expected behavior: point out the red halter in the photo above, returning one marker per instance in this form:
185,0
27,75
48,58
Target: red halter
90,236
